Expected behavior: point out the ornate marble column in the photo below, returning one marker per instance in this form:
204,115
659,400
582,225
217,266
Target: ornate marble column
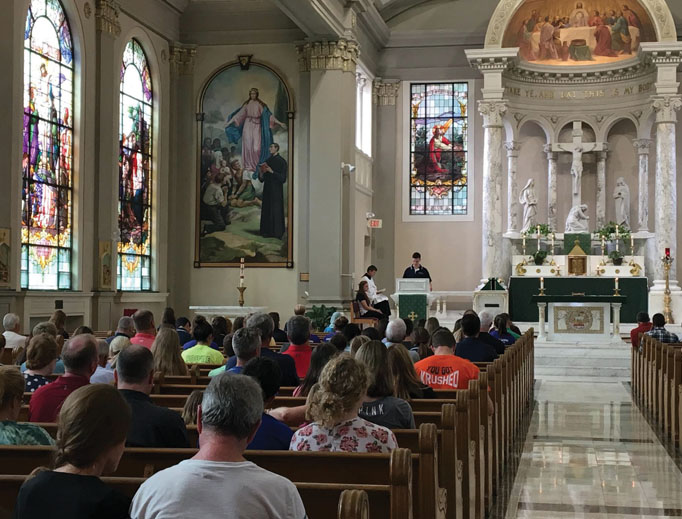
551,188
492,112
642,147
666,107
601,186
385,93
512,148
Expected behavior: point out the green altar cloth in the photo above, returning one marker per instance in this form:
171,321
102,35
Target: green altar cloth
412,306
522,308
580,53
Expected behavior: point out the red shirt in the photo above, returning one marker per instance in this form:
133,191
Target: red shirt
143,339
301,355
48,399
446,372
634,333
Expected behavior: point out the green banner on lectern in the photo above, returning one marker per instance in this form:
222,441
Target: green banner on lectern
584,240
412,306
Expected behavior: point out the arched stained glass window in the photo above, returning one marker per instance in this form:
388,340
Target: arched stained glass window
135,171
439,177
47,163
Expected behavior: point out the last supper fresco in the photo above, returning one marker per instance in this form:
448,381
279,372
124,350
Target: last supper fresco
569,32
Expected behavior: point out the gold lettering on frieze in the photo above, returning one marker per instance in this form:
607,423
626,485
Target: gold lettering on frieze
512,91
572,95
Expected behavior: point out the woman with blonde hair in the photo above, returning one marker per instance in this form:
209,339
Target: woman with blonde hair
189,412
167,353
357,342
333,407
116,346
11,398
381,406
407,385
91,434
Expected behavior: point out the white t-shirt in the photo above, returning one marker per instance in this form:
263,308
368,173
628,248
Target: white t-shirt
213,195
198,488
13,340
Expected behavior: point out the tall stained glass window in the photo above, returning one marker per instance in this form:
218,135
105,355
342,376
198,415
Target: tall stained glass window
135,171
438,149
47,163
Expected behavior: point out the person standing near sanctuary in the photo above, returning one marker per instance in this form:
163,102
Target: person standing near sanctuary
377,298
273,174
416,270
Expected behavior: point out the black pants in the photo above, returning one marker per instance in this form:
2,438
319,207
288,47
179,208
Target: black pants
384,307
219,216
371,314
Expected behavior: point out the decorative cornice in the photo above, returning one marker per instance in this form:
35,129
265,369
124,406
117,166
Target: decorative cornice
496,60
182,59
385,93
642,146
328,55
107,17
666,107
568,76
492,112
661,53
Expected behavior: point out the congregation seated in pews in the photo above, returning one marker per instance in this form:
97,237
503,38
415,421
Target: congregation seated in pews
348,422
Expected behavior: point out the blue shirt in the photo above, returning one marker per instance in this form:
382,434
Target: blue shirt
58,368
506,338
237,370
272,435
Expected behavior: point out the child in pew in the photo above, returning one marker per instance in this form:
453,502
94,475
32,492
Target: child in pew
272,434
11,395
333,406
92,426
189,412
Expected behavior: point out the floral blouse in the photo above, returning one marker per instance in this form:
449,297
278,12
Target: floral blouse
357,435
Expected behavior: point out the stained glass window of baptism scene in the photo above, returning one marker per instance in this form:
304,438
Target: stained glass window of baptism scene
47,160
438,149
135,171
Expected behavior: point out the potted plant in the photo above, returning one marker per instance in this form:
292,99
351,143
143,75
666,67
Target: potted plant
540,257
616,257
319,316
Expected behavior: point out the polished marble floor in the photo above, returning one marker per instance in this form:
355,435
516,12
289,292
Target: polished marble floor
590,453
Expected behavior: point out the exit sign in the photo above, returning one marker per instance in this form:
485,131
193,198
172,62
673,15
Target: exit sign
374,223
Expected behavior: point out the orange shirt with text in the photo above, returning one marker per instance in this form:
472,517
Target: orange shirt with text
446,372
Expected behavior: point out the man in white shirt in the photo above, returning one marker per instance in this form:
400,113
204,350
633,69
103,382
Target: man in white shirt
377,298
12,324
218,480
103,374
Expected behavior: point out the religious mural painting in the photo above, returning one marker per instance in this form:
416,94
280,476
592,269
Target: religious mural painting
135,171
245,184
47,154
438,149
570,32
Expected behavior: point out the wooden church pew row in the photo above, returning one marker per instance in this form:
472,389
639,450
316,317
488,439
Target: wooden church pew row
668,400
349,501
393,470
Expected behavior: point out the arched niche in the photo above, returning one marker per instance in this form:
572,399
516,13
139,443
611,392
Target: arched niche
622,162
532,162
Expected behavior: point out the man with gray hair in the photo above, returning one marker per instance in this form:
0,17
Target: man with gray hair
218,478
126,328
12,325
265,325
396,330
486,318
246,346
80,362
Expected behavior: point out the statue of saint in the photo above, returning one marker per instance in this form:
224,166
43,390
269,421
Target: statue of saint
529,202
577,169
577,219
621,194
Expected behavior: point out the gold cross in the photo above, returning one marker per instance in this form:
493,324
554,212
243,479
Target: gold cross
412,315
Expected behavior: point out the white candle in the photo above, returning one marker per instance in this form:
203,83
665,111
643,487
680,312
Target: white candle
241,272
537,230
616,285
632,245
552,244
542,283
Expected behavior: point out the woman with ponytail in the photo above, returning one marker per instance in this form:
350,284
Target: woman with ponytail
333,405
11,397
91,433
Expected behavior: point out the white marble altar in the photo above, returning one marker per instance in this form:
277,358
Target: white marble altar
227,311
633,266
576,322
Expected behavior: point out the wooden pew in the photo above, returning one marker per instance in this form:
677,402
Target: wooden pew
374,471
352,503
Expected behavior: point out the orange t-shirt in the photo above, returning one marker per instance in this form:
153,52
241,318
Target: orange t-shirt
446,372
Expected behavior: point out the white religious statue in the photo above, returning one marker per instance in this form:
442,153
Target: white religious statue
577,169
577,219
621,195
529,202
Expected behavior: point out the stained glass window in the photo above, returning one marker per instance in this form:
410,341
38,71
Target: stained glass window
438,149
47,160
135,171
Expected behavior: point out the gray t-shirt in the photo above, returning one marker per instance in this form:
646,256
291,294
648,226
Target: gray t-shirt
388,411
198,488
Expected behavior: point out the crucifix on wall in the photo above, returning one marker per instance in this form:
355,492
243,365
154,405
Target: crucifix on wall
577,148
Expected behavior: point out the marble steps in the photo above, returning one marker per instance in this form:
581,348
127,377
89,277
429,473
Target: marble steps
602,361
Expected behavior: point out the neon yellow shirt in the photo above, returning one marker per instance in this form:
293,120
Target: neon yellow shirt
202,354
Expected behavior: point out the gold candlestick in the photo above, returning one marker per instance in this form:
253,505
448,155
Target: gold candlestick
667,299
241,295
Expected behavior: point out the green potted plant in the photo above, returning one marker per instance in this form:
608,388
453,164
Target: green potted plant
616,257
319,316
540,257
